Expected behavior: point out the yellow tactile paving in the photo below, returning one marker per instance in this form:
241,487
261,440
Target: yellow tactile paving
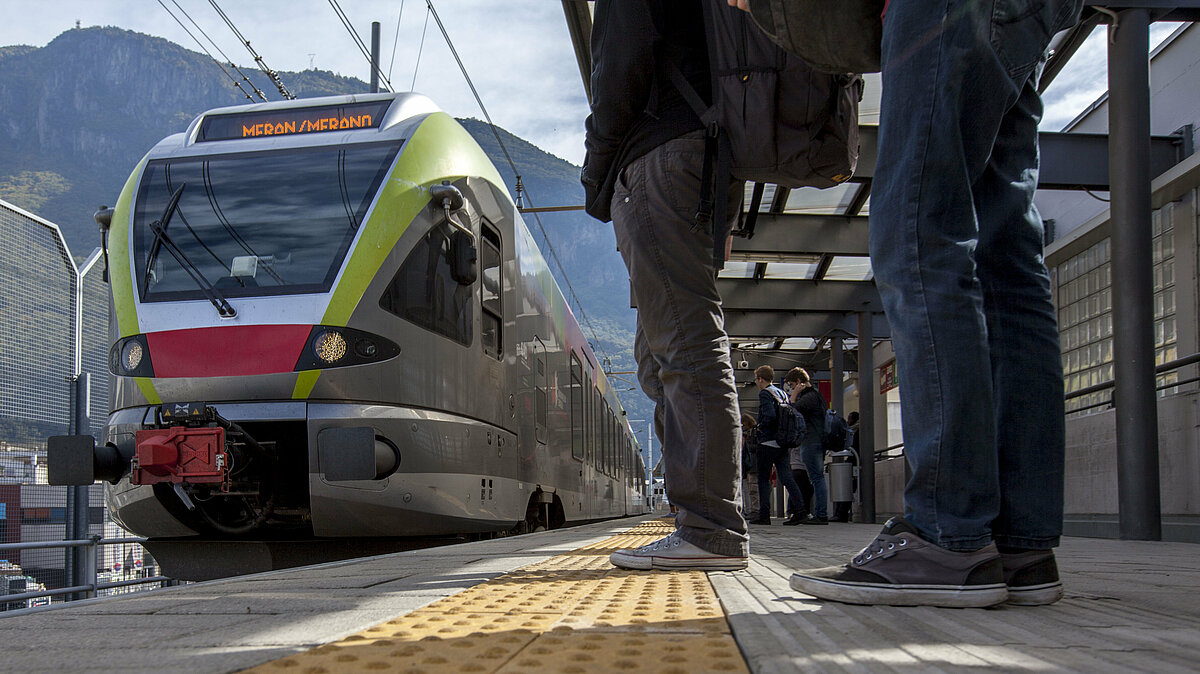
571,613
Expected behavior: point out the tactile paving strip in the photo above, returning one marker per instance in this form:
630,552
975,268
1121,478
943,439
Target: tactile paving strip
573,613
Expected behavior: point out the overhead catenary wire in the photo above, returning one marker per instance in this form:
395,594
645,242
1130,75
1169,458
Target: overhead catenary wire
420,50
358,41
200,44
396,39
537,217
262,65
220,51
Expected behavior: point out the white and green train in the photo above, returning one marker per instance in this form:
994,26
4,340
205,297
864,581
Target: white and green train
330,321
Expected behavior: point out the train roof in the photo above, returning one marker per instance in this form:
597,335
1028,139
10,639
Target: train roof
306,122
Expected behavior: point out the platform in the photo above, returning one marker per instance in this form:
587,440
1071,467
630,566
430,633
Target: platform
550,602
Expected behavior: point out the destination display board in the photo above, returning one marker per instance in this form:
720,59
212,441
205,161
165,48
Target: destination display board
293,121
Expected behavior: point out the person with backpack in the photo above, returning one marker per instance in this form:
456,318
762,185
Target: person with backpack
811,405
780,428
643,170
800,512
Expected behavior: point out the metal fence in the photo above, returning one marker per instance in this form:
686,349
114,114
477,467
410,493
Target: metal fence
54,334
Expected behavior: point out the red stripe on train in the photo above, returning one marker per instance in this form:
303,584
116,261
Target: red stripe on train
234,350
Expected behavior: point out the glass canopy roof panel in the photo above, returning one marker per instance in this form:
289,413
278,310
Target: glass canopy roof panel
799,343
812,201
737,269
768,197
845,268
790,270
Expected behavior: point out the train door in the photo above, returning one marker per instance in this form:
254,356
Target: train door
540,408
577,425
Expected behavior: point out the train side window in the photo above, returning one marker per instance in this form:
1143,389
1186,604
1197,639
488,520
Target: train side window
576,407
424,292
589,420
490,292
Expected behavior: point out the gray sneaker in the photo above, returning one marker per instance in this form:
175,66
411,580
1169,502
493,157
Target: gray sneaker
899,568
672,552
1032,577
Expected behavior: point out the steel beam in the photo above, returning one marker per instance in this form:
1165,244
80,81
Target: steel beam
866,423
579,25
1132,278
797,295
1069,161
787,234
744,325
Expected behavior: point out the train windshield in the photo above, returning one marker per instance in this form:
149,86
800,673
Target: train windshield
251,224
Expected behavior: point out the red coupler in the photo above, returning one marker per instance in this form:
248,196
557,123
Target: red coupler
180,454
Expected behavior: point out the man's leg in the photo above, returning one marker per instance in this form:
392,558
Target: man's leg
670,268
953,75
814,463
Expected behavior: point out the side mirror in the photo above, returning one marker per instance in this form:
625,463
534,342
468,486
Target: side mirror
447,196
103,217
464,258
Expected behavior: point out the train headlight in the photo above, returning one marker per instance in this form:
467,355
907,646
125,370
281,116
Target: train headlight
329,347
131,355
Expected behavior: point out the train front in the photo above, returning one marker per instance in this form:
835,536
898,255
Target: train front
246,357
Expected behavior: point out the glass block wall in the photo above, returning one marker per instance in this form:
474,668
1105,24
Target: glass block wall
1083,297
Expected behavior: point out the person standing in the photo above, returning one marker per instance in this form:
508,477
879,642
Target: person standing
750,502
645,155
811,405
770,454
956,246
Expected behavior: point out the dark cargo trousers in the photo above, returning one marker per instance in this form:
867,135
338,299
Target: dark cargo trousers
681,346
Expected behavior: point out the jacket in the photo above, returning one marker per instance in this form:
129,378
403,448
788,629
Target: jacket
811,405
634,107
768,414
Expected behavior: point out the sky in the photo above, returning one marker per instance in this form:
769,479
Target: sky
518,53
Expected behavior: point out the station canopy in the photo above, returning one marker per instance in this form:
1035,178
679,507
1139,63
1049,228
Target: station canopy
805,275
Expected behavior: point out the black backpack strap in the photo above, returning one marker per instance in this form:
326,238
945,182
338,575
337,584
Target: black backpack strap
751,216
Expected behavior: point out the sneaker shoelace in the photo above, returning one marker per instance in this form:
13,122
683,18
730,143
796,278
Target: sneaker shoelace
884,545
669,541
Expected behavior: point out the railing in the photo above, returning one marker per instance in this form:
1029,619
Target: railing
1159,369
91,546
881,454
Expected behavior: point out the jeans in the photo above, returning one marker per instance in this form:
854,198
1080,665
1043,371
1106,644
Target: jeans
956,246
814,462
681,346
780,460
804,506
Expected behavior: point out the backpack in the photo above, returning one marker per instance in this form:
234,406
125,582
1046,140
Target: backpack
790,430
773,118
837,436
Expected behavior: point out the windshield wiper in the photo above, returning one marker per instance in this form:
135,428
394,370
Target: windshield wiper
162,239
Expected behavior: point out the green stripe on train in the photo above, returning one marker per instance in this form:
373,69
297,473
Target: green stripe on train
440,149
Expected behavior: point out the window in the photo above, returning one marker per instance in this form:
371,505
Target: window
576,408
490,293
255,223
424,292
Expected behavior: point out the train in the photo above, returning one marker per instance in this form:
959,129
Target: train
331,323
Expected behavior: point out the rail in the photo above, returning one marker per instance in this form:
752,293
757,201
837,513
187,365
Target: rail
1158,369
1168,366
92,546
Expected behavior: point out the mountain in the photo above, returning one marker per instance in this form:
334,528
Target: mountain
80,112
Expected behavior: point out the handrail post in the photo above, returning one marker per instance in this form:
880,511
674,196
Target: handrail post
91,567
